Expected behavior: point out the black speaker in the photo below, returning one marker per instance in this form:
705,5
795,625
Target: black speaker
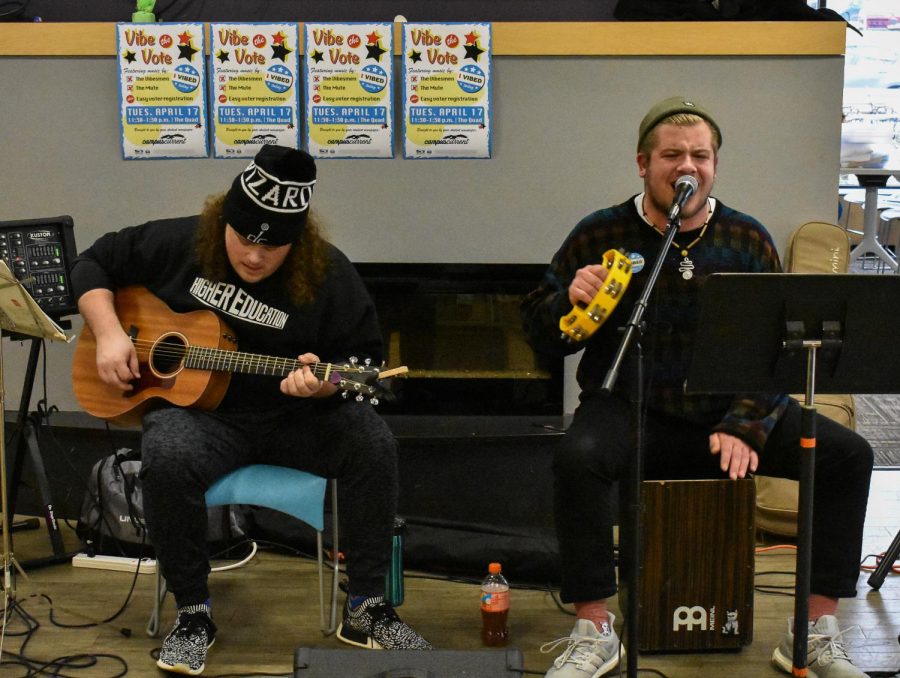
324,663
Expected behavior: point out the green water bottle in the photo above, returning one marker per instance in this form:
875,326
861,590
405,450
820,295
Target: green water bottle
393,585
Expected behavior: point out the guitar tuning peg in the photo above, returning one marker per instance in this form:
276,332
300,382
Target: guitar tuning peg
374,401
359,397
345,395
353,360
367,362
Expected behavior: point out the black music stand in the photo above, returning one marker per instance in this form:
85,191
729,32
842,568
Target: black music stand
790,333
19,314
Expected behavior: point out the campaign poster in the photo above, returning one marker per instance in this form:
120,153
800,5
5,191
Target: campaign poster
349,81
162,98
447,90
255,87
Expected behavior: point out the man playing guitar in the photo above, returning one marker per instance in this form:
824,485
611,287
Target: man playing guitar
254,257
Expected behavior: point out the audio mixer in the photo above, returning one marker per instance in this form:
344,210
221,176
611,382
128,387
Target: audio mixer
39,252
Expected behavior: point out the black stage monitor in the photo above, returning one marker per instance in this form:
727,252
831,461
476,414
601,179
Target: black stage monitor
40,252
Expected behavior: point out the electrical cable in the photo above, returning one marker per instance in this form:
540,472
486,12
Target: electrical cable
895,569
240,563
35,667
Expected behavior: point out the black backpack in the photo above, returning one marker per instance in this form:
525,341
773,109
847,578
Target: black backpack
112,514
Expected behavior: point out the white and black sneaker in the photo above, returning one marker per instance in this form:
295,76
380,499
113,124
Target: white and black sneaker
184,649
375,625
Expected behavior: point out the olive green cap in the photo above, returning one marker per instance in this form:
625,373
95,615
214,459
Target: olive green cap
671,106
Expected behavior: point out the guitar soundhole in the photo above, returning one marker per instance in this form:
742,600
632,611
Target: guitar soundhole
168,355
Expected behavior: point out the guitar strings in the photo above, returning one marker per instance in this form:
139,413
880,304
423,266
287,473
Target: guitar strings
231,357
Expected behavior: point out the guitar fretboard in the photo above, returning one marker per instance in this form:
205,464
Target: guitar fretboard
202,358
217,360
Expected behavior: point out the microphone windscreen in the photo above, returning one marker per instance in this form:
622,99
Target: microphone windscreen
689,180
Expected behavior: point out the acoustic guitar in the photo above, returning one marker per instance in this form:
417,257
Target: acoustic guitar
186,359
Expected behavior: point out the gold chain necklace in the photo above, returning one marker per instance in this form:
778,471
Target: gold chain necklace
686,267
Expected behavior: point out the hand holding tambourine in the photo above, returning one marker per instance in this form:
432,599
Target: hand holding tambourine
584,318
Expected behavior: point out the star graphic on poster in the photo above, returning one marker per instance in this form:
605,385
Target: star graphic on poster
278,38
280,52
373,37
472,38
185,38
473,52
222,56
129,56
374,52
415,56
317,56
186,52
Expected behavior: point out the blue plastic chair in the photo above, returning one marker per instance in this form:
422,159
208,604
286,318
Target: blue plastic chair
296,493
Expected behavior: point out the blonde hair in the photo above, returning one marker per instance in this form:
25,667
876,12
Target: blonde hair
681,120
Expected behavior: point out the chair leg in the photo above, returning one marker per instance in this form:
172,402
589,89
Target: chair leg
159,595
328,621
335,558
320,560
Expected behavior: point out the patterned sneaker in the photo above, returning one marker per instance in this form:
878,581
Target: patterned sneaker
826,656
184,649
589,653
375,625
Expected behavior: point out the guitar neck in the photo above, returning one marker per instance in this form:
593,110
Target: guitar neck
218,360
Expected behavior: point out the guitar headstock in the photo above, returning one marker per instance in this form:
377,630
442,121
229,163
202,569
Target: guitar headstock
364,379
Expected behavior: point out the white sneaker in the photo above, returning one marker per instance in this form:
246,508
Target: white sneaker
589,653
826,656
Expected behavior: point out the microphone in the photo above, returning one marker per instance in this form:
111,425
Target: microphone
685,187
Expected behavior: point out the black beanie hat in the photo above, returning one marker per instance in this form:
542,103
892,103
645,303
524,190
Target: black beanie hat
268,203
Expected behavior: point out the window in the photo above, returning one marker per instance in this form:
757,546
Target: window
871,110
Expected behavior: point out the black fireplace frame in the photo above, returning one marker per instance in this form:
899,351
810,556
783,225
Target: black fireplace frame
396,287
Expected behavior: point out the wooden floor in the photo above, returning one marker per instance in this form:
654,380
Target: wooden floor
269,608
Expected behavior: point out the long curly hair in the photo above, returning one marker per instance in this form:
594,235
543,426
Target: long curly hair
303,270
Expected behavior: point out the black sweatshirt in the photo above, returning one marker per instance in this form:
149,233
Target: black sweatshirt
340,322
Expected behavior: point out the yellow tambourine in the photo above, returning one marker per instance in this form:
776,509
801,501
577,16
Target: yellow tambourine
582,321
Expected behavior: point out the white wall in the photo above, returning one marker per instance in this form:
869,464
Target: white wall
564,136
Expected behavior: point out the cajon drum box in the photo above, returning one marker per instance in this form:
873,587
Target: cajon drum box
697,565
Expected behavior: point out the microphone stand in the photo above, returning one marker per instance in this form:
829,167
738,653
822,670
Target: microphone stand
633,331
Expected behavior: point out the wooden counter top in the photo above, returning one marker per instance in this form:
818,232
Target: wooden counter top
614,38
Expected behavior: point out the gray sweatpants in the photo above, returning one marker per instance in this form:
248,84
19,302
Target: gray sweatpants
185,451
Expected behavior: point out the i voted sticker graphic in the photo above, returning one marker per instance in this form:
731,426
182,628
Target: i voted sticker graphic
470,78
637,261
279,78
373,78
185,78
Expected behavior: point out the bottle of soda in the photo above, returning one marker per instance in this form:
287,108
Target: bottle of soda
494,607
